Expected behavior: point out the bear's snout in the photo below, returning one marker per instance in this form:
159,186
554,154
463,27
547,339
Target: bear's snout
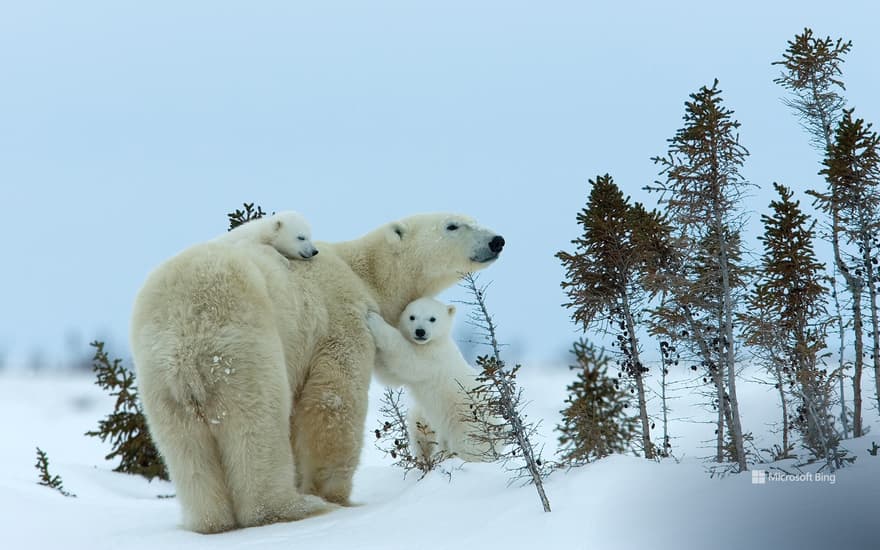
420,333
496,244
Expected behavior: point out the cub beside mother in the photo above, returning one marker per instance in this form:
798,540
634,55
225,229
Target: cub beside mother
254,371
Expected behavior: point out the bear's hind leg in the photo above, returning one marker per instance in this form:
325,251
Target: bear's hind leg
252,431
190,453
328,428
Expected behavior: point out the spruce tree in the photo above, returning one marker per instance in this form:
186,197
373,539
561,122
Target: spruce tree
852,168
811,71
702,190
787,321
595,420
126,426
608,277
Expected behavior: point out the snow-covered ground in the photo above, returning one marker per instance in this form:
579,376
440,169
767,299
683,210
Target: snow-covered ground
618,502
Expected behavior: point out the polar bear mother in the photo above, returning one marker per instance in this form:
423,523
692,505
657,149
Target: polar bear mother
254,371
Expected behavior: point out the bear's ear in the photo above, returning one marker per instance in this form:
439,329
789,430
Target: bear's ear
395,232
276,228
450,309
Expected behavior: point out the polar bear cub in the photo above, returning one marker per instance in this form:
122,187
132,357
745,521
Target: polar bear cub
288,232
421,355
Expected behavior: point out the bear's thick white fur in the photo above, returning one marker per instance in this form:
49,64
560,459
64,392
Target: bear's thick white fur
421,355
254,372
287,232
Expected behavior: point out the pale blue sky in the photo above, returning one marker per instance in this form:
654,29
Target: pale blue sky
129,129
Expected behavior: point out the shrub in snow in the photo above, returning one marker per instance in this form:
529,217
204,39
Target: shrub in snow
595,420
392,437
125,427
47,479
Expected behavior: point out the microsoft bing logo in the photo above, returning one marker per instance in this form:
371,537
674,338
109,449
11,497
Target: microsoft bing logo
759,477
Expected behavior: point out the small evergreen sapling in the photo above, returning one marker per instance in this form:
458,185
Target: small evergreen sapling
125,427
47,479
595,421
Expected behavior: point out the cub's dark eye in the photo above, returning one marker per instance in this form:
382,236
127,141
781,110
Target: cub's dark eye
451,227
432,319
412,317
301,238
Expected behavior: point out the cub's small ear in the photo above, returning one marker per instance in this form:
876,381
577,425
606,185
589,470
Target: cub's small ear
395,232
450,309
278,225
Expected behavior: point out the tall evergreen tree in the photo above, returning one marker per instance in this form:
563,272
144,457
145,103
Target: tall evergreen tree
606,278
852,168
595,421
811,71
702,190
787,320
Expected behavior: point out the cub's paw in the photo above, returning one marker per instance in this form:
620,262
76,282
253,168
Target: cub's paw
382,331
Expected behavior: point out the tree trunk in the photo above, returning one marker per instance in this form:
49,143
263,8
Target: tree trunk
853,285
875,322
780,383
640,385
717,379
859,360
664,365
727,305
841,363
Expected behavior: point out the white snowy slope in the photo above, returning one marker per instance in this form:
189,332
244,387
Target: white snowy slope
618,502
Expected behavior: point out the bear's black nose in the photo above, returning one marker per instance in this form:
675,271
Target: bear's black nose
420,333
496,244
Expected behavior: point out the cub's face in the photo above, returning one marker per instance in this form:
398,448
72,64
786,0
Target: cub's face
443,247
292,236
425,320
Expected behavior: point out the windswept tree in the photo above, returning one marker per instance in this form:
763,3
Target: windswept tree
702,190
497,395
787,322
607,276
811,71
852,168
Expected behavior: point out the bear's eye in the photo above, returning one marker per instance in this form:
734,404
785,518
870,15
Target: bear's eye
301,238
412,317
432,319
451,227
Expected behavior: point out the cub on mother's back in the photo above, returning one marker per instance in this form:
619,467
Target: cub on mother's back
288,232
